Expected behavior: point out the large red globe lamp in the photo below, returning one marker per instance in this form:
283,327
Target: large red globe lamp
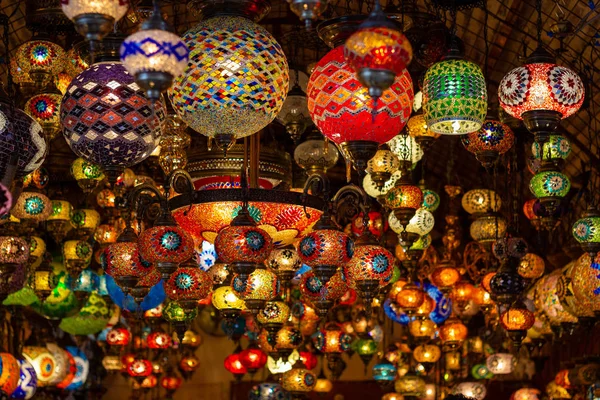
340,106
234,365
253,358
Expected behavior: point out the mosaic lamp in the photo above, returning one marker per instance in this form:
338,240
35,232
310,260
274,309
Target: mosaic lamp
261,286
234,365
549,186
586,231
235,82
267,391
122,260
43,363
41,59
501,363
541,93
284,263
108,120
58,223
139,369
273,316
479,201
22,145
378,51
454,96
316,154
555,149
516,320
27,385
253,358
406,149
87,174
154,55
32,206
342,109
77,255
410,385
14,253
487,228
427,354
294,112
298,380
332,341
45,109
227,302
10,374
381,167
323,296
384,373
404,199
526,394
489,142
453,332
187,285
418,129
471,390
94,19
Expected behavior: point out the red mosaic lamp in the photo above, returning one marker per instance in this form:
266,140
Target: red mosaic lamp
323,296
159,340
118,337
234,365
489,142
378,51
139,369
253,358
122,260
188,285
171,382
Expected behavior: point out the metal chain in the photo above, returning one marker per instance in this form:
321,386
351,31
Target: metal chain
538,7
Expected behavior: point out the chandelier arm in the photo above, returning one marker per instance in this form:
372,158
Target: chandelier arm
172,180
356,201
317,182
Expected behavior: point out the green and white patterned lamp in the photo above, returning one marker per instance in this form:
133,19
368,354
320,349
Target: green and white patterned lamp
586,231
549,186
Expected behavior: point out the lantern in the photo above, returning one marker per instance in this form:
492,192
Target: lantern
154,55
122,260
251,95
370,263
418,129
323,385
374,190
233,364
10,374
253,358
526,394
113,134
406,148
187,285
501,363
85,221
316,154
32,206
323,295
427,353
487,228
410,298
87,174
45,109
381,167
454,97
273,316
420,224
490,141
77,255
27,385
14,253
556,149
471,390
94,20
478,201
531,266
298,380
43,362
586,231
261,286
266,391
453,332
410,385
166,245
517,319
445,275
139,369
331,341
118,336
404,199
340,107
294,112
284,262
431,200
227,302
549,186
42,59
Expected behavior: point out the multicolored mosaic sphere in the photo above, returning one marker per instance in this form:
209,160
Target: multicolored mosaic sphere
541,86
262,284
342,109
123,259
188,283
404,196
166,244
492,136
45,109
332,341
587,230
312,288
43,362
27,381
549,184
267,391
431,200
243,243
378,48
22,136
298,380
107,119
326,247
556,147
236,80
454,97
41,55
369,262
421,223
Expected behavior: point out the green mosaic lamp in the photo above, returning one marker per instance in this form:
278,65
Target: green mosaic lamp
178,317
454,96
549,186
586,231
91,319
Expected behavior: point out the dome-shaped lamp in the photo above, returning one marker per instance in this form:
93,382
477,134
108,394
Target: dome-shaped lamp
489,142
94,19
381,167
261,286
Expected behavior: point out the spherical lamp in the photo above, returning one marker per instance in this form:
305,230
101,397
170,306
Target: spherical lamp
32,206
517,319
406,148
261,286
381,167
586,231
501,363
453,332
284,263
341,108
45,109
87,174
187,285
298,380
41,59
322,295
92,19
10,374
227,302
479,201
43,362
316,154
489,142
410,385
108,120
471,390
27,385
531,266
229,92
166,245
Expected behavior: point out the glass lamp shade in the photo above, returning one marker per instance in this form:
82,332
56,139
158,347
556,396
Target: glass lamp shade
114,9
23,137
274,312
374,190
480,371
481,201
32,206
27,385
173,312
38,179
122,259
106,198
492,139
471,390
45,109
370,262
118,336
404,196
506,247
332,341
366,347
169,244
417,128
85,219
531,266
541,86
288,338
421,223
410,298
323,385
107,119
253,358
427,353
188,283
313,289
41,59
431,200
77,254
37,249
454,97
462,292
282,260
43,362
191,339
410,385
243,244
342,109
294,114
75,64
189,363
154,50
261,284
487,228
453,332
9,374
556,147
548,298
233,364
224,298
501,363
267,391
526,394
384,372
234,90
159,340
61,211
13,250
517,318
171,383
62,82
378,48
139,368
106,234
406,148
482,298
64,362
308,359
298,380
325,247
549,184
587,229
445,275
383,162
316,155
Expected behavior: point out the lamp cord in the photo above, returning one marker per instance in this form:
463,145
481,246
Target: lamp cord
538,7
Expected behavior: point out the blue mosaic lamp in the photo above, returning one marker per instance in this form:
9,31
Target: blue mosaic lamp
154,55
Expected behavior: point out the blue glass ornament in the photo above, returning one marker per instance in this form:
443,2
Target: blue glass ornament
152,300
